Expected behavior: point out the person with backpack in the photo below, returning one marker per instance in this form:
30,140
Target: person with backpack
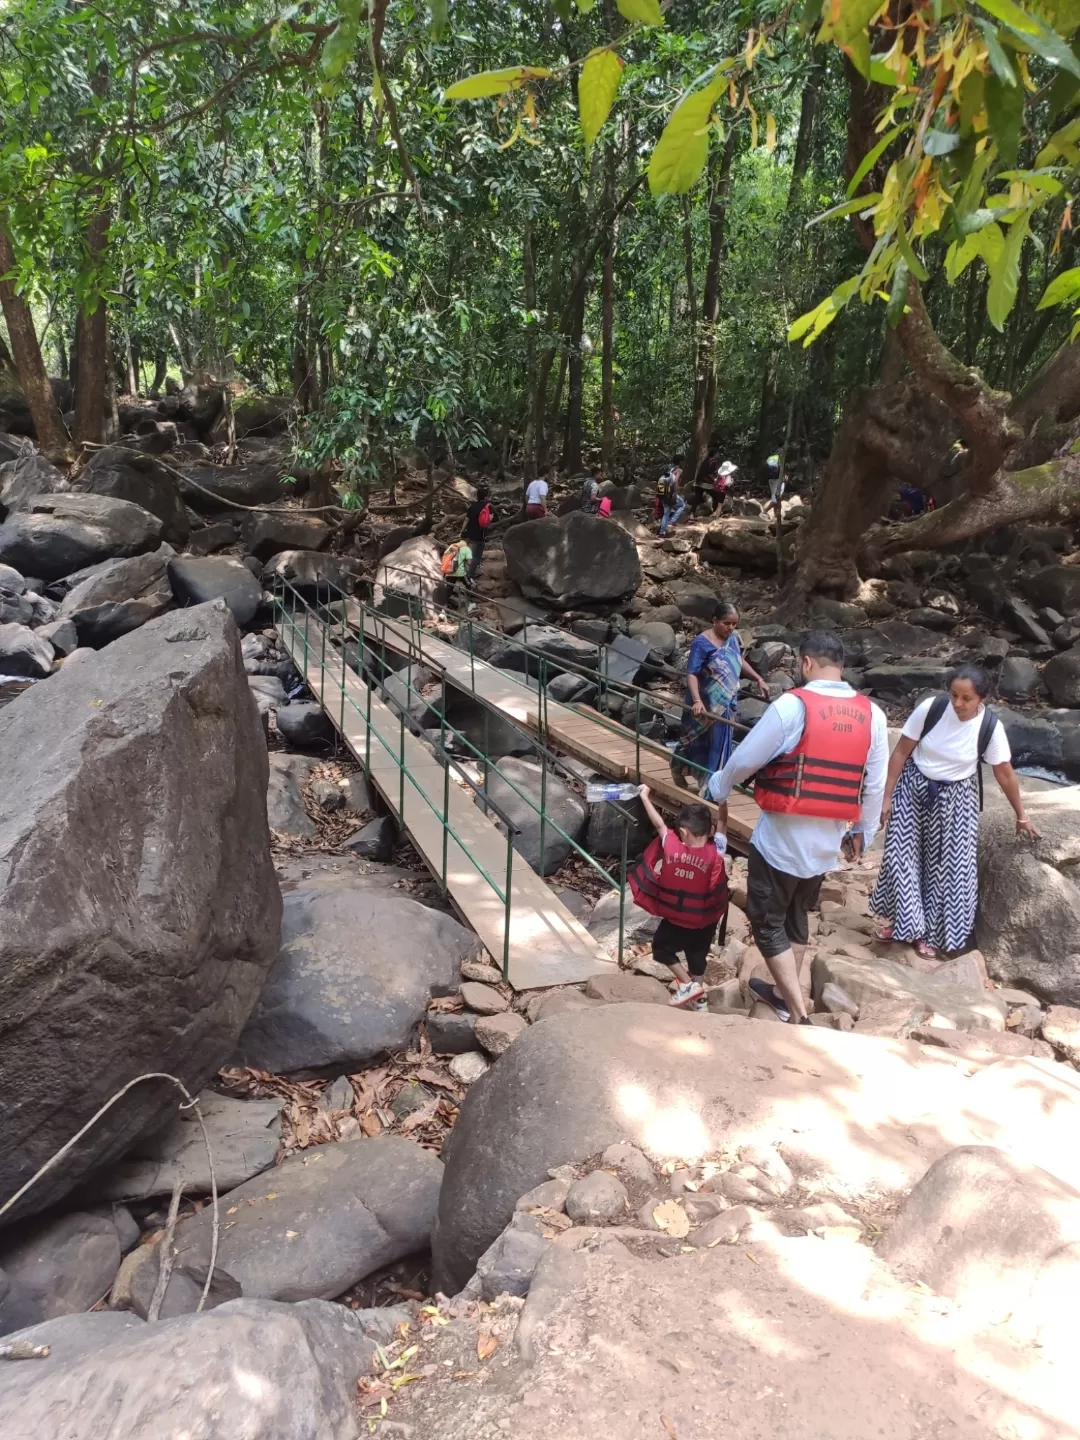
478,518
590,492
818,757
682,878
457,557
928,886
669,501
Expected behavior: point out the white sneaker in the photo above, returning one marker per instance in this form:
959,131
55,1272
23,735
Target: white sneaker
683,994
700,1006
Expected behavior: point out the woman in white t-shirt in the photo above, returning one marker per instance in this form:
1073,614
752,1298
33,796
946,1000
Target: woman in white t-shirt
929,886
536,495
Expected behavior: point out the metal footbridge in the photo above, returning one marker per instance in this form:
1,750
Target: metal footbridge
434,783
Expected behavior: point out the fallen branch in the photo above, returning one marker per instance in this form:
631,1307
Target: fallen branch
168,1255
23,1350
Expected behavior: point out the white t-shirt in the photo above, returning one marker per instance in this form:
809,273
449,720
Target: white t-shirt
536,494
951,750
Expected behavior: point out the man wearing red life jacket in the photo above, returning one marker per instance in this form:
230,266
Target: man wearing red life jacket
820,754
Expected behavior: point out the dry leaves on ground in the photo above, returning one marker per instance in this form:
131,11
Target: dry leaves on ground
305,1122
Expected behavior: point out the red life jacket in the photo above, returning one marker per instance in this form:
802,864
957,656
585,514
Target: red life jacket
687,886
823,775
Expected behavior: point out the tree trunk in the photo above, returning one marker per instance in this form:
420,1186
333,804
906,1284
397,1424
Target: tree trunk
571,457
161,369
52,437
607,324
705,385
804,144
92,349
528,280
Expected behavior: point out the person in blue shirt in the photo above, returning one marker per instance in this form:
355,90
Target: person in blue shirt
790,854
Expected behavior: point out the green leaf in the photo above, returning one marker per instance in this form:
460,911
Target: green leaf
683,148
598,84
858,52
440,19
1005,274
894,311
809,326
495,82
1063,287
809,15
1054,50
641,12
972,99
870,159
940,142
1010,14
1000,63
585,6
1005,112
847,207
854,17
914,264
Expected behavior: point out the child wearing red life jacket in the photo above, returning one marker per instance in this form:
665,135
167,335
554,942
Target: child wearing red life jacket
682,878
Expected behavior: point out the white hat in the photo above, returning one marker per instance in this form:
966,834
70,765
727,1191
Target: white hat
727,468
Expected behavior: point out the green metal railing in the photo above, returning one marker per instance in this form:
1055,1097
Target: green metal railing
354,626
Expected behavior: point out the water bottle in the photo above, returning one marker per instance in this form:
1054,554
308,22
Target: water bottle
597,791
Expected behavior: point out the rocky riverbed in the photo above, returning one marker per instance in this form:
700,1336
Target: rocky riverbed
445,1208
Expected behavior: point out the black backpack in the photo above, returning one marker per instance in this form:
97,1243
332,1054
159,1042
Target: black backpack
938,706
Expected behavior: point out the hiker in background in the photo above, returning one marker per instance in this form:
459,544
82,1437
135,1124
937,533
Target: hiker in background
703,490
819,754
670,501
929,883
536,494
478,518
914,500
777,482
723,485
457,557
682,878
713,672
590,492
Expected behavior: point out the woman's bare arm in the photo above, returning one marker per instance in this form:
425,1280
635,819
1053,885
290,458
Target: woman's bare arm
897,761
1005,776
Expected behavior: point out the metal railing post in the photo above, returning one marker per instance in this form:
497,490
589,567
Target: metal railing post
622,890
509,883
401,760
543,808
322,665
637,738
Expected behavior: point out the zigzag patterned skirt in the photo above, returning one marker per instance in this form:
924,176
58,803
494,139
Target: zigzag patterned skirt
929,881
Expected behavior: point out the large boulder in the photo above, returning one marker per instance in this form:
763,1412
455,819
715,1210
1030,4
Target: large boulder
1062,678
961,998
849,1111
265,536
517,787
131,475
748,543
24,652
572,560
357,969
992,1234
212,577
139,909
1028,920
52,535
210,489
62,1266
310,570
414,569
118,596
322,1220
248,1370
24,478
1056,586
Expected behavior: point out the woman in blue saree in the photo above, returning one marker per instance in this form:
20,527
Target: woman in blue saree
713,672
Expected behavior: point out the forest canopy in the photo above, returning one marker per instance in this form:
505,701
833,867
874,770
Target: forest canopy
617,229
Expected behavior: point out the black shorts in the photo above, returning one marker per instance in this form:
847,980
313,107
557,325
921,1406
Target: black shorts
671,940
778,906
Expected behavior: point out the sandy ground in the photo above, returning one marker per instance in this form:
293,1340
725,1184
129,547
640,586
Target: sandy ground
808,1338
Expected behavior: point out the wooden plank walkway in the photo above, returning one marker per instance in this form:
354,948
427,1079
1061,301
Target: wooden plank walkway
575,730
548,946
